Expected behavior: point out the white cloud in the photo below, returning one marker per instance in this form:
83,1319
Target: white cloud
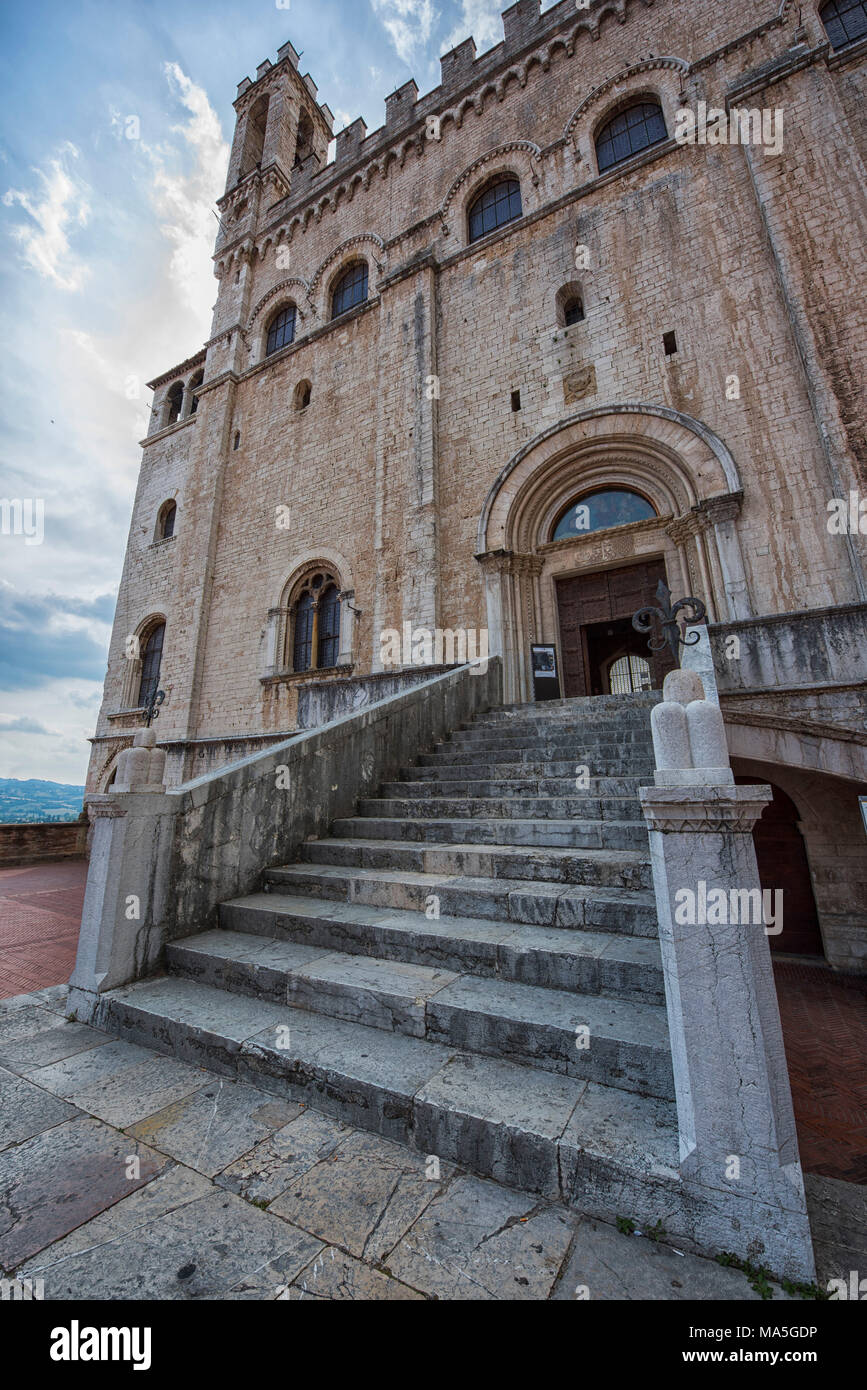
60,204
184,198
408,24
479,19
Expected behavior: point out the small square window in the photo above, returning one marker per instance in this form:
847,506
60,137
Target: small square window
669,342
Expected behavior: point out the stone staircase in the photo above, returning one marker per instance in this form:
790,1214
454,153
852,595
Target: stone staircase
470,964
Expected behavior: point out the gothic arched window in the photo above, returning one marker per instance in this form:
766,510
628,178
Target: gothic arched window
314,636
329,627
498,204
281,329
151,661
844,21
302,644
350,290
597,511
630,131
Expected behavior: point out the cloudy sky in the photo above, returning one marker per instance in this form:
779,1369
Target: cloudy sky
115,122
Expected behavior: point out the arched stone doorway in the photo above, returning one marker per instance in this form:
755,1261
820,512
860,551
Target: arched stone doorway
575,590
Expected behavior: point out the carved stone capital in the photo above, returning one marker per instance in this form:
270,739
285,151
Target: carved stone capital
703,810
722,509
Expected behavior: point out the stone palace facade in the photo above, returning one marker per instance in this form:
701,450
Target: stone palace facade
586,316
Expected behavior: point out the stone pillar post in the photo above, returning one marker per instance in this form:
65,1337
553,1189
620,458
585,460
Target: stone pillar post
739,1165
127,889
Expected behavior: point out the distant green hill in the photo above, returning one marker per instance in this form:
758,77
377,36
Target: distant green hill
31,800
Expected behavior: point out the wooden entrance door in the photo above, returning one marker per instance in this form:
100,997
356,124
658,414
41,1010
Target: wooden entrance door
605,596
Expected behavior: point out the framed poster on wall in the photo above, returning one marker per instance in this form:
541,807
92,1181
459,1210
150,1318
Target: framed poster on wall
546,674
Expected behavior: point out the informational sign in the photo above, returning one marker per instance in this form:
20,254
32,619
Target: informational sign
863,802
546,677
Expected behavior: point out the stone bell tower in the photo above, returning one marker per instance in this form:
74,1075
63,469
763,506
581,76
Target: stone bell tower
281,132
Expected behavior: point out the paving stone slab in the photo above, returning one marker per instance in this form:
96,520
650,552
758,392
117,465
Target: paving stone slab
482,1241
136,1092
85,1069
25,1021
26,1055
269,1168
199,1250
606,1264
60,1179
364,1196
336,1276
174,1187
213,1126
26,1110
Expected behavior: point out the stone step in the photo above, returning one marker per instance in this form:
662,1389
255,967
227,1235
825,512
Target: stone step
607,868
536,717
585,704
512,786
627,741
439,772
631,767
622,1043
563,834
618,808
505,900
625,967
601,1149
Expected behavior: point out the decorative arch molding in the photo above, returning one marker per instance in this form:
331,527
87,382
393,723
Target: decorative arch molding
615,84
273,297
695,454
679,465
520,158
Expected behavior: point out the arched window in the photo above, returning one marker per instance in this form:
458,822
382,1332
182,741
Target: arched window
329,627
573,311
302,646
632,130
597,511
281,329
166,522
350,290
315,623
304,143
844,21
301,398
174,403
151,661
254,140
498,204
628,674
195,382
